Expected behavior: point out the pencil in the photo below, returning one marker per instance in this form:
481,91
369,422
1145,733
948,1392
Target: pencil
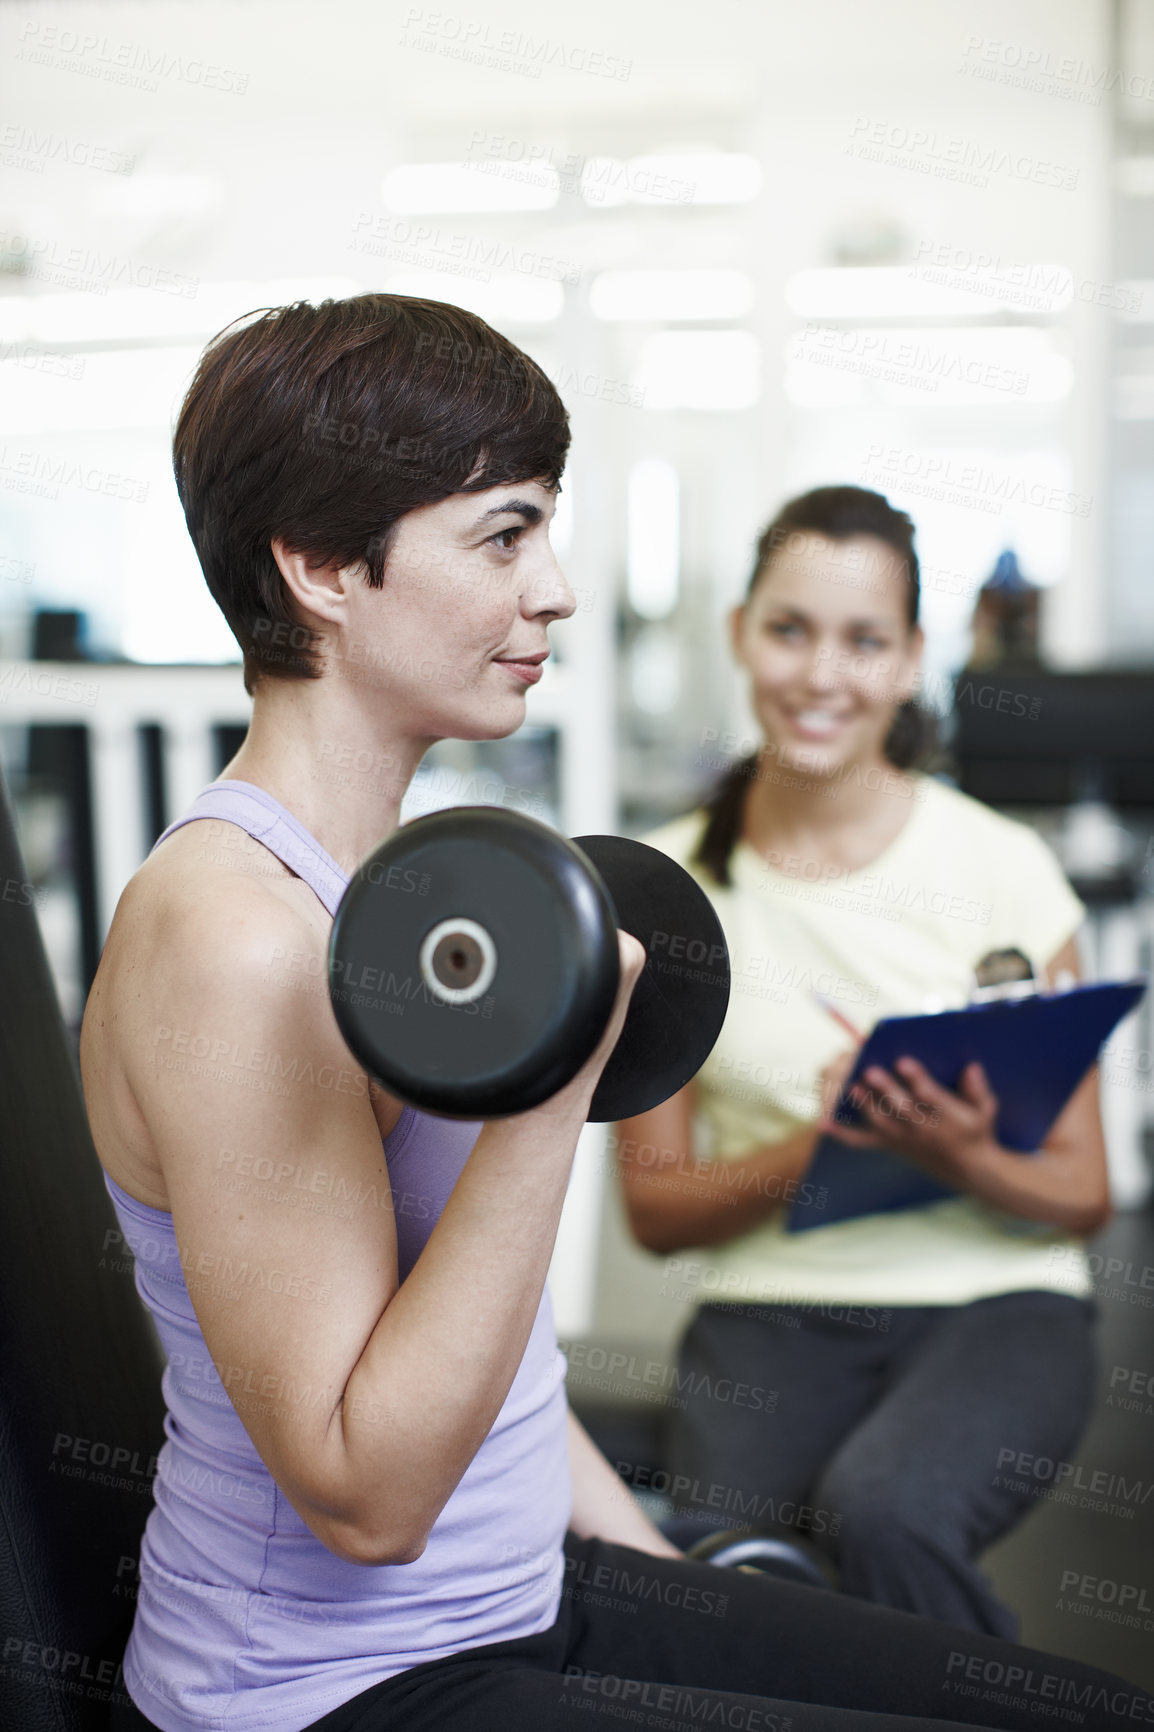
832,1009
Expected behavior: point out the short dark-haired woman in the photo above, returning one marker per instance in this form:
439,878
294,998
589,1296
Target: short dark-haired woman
373,1509
923,1359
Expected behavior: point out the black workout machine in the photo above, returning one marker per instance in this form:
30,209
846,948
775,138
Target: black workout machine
81,1414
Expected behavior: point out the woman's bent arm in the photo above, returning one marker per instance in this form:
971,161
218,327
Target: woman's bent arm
367,1399
674,1199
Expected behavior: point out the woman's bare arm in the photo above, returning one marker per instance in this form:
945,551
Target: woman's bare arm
366,1399
605,1507
674,1199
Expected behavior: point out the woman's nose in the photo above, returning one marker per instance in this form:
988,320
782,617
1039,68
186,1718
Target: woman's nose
822,672
548,591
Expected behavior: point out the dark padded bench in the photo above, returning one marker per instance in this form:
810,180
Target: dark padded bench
80,1405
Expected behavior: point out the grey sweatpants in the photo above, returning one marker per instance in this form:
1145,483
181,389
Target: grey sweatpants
903,1441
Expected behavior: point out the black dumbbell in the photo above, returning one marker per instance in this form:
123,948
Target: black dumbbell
473,966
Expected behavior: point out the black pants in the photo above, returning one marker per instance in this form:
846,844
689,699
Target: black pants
893,1437
671,1645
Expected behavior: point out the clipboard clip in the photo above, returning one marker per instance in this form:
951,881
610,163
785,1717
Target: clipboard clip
1009,989
1004,974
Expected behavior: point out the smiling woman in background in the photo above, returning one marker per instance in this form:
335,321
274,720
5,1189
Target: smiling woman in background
913,1352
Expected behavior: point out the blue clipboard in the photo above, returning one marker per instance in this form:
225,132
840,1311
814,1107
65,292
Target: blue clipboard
1035,1051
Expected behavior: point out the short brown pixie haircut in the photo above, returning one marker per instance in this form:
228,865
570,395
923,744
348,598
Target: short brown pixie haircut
323,425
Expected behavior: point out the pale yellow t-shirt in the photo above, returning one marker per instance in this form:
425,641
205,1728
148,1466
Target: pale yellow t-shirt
900,936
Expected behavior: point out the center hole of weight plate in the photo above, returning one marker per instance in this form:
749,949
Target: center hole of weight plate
458,961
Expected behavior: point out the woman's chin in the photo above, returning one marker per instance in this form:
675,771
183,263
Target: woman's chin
819,760
489,721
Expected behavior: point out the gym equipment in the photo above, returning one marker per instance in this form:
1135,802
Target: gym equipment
81,1413
786,1554
473,965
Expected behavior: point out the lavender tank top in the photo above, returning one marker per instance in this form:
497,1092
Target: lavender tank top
243,1618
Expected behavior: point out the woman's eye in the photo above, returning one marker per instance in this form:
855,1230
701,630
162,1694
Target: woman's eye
864,641
784,628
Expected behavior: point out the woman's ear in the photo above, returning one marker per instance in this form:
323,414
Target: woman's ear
317,590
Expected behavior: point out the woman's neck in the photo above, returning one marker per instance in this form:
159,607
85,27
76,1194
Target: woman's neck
341,772
847,819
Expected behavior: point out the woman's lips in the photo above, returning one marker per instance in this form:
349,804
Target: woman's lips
529,671
816,724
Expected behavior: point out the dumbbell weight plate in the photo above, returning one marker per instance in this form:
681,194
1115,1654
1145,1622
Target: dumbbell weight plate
679,1002
473,962
473,966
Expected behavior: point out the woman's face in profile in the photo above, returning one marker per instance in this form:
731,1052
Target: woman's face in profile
826,639
454,637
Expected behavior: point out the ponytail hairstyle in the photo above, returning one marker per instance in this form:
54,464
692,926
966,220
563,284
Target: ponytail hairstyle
837,513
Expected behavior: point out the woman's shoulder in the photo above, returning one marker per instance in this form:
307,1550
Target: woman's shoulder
196,929
1015,875
958,820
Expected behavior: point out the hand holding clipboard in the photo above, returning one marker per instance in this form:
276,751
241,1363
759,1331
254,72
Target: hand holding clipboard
1033,1053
